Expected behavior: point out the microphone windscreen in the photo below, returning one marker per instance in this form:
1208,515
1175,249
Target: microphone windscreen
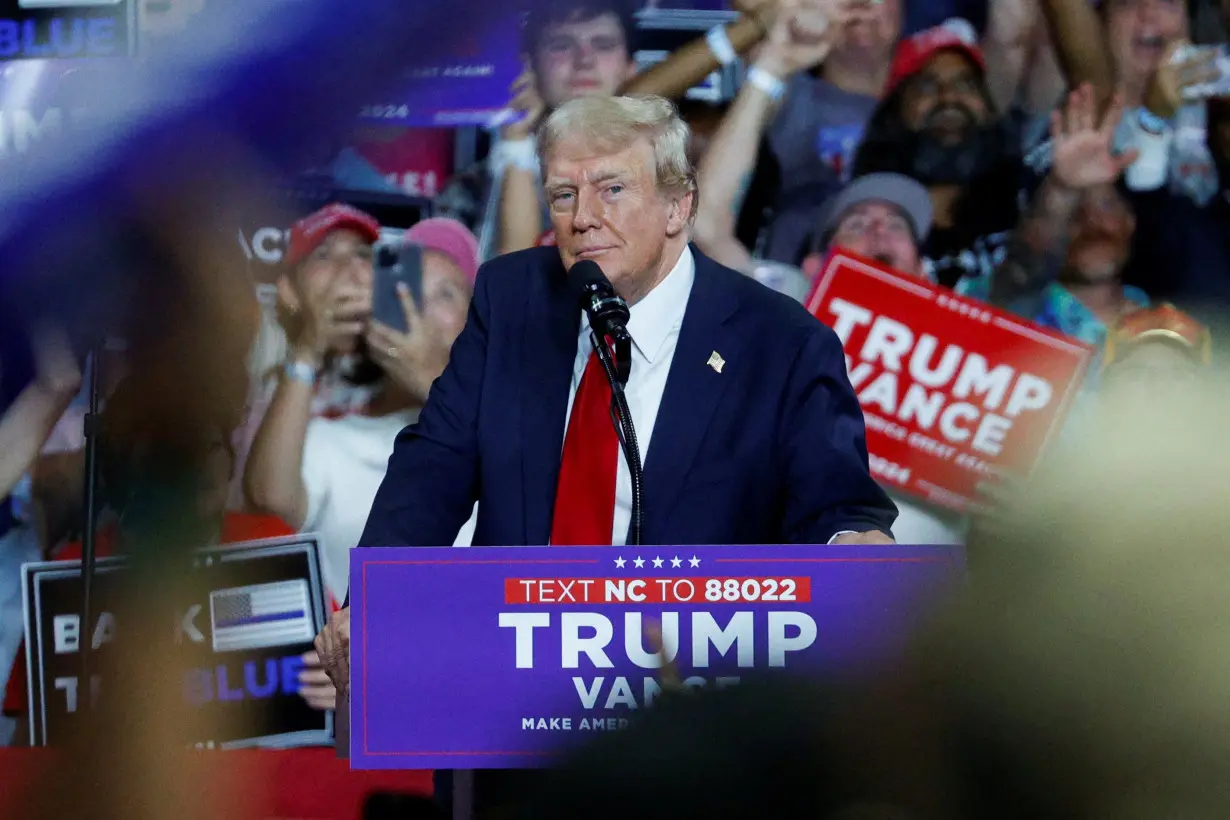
586,276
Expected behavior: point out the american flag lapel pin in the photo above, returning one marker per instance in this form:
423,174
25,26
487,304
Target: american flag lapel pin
716,362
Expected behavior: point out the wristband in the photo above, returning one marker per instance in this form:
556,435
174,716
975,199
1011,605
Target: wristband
720,45
766,82
521,154
297,371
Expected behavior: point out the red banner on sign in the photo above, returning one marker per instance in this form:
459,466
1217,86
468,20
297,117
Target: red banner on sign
953,390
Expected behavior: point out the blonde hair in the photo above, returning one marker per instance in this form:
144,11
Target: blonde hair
612,124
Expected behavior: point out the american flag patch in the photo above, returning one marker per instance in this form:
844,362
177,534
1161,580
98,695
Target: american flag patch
260,616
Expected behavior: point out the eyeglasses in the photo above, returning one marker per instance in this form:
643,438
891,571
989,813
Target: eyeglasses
861,224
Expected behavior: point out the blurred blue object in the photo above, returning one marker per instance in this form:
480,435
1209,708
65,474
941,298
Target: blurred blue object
261,81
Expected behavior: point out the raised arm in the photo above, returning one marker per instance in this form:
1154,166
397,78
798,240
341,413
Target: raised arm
800,40
520,214
1020,61
689,65
1082,159
1080,46
28,421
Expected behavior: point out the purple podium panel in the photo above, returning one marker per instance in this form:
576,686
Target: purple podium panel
501,657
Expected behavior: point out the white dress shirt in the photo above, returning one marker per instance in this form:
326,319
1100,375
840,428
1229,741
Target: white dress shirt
654,327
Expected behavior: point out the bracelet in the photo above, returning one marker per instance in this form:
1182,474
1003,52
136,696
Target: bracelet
720,45
297,371
766,82
1150,122
521,154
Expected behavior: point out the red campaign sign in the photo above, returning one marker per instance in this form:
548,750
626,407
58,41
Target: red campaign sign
953,390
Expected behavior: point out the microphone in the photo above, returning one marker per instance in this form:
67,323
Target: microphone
607,311
608,320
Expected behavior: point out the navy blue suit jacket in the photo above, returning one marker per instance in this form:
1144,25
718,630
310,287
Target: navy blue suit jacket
770,450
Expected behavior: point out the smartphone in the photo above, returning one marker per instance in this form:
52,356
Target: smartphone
396,264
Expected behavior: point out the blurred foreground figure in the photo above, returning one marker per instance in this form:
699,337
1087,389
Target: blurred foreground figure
1085,673
1156,347
773,749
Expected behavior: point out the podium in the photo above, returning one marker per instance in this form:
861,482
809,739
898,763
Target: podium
507,657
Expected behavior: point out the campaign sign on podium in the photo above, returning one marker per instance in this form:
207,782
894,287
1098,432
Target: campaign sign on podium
502,657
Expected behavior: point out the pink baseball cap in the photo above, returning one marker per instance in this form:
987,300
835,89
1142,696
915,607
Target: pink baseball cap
449,237
913,53
307,234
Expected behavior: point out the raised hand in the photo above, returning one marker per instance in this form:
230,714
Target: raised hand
1083,156
525,100
415,358
803,35
327,318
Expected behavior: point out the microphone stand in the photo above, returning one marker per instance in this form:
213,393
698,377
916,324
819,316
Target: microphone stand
621,416
87,533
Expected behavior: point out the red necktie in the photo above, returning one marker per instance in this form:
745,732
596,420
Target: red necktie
585,496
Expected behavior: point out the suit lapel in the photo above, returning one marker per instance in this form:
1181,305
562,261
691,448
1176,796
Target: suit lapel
548,354
694,389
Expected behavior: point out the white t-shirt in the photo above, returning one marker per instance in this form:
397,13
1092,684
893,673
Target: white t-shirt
344,461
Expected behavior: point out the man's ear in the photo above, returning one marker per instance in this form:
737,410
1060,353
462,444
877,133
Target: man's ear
680,213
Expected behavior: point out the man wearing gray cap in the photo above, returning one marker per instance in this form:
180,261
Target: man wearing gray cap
885,217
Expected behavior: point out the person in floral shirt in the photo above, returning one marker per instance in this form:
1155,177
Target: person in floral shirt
1066,261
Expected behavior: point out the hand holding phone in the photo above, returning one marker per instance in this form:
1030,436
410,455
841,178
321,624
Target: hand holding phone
400,338
396,264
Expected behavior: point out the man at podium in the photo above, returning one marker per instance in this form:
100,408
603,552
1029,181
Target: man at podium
749,429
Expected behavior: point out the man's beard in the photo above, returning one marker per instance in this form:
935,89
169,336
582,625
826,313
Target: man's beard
932,162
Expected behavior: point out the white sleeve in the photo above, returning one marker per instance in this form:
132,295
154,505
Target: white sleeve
318,466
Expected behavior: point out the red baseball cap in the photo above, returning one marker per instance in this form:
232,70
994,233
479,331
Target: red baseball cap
913,53
307,234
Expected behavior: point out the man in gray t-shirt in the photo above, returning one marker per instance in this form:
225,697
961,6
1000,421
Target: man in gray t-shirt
793,129
811,143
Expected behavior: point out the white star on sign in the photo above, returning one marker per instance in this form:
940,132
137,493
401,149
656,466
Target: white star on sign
675,562
657,562
619,562
695,562
638,563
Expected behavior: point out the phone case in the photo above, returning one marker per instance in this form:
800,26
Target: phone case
395,264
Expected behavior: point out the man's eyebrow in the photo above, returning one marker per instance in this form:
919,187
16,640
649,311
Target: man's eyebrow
605,175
